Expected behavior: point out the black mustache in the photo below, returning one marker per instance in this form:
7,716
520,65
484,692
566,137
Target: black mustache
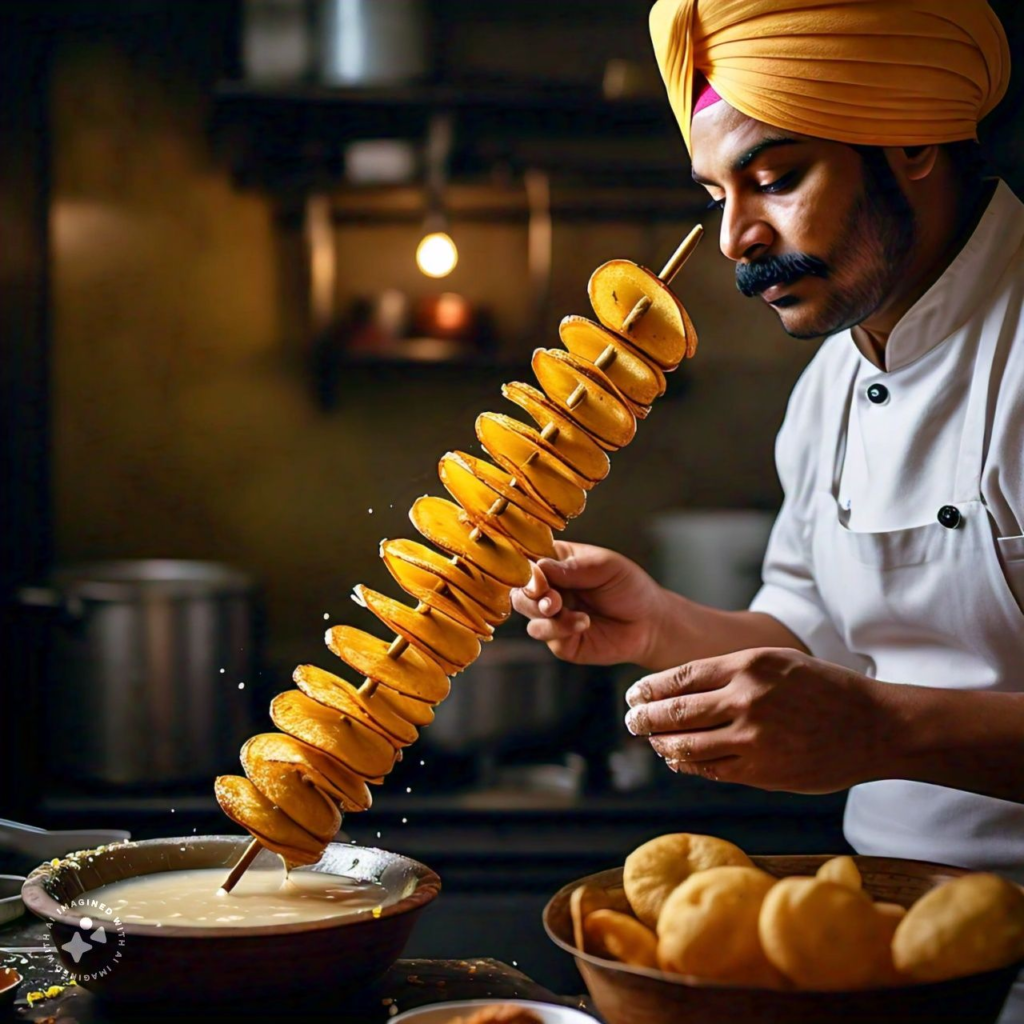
754,278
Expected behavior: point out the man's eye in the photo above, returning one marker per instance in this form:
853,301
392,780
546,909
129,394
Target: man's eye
716,204
779,184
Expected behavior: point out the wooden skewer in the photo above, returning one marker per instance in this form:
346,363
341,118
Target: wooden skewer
243,865
549,433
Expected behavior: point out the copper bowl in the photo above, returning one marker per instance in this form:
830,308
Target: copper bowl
197,963
638,995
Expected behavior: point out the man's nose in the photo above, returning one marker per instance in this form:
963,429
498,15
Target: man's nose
744,234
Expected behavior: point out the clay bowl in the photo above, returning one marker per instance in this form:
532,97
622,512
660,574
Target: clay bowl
196,963
638,995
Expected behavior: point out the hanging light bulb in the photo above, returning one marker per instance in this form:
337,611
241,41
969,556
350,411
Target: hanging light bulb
436,255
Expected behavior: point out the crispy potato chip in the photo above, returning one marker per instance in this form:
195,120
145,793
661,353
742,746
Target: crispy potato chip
708,927
335,692
411,673
617,936
486,596
572,444
587,898
654,869
433,590
323,771
445,524
435,634
418,712
508,487
603,413
356,746
287,788
521,451
245,805
823,935
970,924
525,533
664,333
639,379
842,870
641,412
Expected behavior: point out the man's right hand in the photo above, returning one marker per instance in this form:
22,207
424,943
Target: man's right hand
592,606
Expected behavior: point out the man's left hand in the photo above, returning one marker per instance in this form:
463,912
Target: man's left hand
773,718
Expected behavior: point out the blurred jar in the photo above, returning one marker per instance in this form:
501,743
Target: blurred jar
372,42
278,40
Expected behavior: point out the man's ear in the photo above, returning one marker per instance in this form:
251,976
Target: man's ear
912,163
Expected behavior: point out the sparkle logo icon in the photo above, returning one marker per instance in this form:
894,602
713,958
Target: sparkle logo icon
78,946
97,945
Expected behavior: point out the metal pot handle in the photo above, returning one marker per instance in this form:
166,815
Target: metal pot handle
69,610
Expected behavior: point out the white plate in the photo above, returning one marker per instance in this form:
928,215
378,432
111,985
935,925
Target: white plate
441,1013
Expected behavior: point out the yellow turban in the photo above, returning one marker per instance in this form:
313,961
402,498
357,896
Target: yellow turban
867,72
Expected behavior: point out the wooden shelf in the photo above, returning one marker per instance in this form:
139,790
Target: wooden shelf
294,136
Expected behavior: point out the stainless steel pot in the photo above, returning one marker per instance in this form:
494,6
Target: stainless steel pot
144,669
515,690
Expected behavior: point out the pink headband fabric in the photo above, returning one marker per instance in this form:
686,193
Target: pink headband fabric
706,96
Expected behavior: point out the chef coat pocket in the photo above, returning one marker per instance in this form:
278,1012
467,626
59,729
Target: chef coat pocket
1011,558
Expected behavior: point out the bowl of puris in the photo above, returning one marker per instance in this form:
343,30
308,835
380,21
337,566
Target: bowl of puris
691,928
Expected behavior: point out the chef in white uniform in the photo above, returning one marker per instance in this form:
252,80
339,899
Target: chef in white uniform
885,650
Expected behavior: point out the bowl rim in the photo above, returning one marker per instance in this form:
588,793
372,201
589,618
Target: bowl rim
691,981
47,907
456,1005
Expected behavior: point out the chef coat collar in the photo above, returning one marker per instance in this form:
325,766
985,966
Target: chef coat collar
950,301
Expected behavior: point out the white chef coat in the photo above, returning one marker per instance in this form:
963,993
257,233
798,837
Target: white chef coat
899,548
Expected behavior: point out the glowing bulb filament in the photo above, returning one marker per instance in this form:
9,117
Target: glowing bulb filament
436,255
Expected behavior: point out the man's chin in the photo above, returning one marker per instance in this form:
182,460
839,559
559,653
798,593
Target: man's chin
799,322
803,320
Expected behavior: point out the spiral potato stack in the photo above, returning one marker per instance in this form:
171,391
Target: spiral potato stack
336,737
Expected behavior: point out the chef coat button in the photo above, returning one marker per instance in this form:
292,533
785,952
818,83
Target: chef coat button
878,393
949,516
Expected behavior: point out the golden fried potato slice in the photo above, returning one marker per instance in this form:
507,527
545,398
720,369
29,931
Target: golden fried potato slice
443,523
842,870
285,787
664,333
411,674
708,928
507,486
520,450
433,633
654,869
971,924
527,534
418,712
431,589
823,935
481,595
617,936
356,746
337,693
288,754
245,805
641,412
603,412
639,379
587,898
572,444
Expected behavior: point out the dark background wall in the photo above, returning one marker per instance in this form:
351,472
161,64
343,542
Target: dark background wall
156,380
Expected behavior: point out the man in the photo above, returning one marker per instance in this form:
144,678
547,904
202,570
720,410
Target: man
885,651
